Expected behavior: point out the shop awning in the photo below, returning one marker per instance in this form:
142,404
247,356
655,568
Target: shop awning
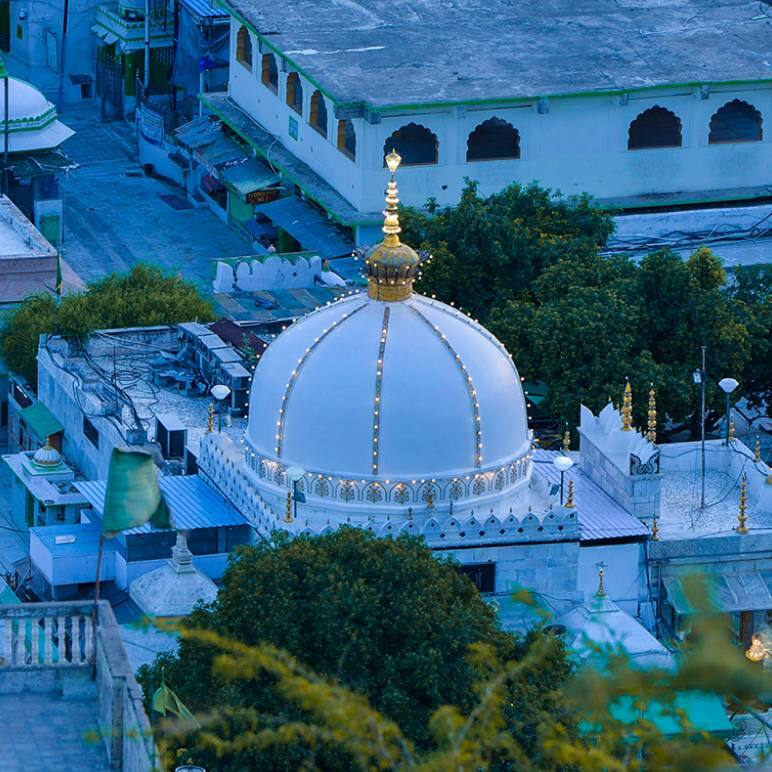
751,591
306,224
104,34
248,177
39,165
222,151
40,420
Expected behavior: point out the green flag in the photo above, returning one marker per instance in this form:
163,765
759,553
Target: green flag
165,700
3,70
58,287
133,496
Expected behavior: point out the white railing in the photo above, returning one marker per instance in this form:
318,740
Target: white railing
47,635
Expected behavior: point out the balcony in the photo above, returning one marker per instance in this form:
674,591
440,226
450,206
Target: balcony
129,34
68,696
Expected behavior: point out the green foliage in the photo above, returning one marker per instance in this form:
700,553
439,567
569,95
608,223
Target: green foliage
330,715
382,617
144,296
527,265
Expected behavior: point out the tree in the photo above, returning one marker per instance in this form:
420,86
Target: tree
144,296
383,617
529,266
629,714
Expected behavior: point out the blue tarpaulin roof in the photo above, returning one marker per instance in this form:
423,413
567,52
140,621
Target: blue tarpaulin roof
193,504
600,517
309,226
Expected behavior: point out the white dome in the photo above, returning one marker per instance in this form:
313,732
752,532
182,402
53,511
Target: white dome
388,391
32,118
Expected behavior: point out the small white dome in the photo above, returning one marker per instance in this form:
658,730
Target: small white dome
33,124
388,391
47,456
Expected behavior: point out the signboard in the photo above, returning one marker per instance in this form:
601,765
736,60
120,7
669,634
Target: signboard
293,127
262,196
151,126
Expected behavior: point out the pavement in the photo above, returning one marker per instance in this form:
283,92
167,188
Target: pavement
115,216
42,732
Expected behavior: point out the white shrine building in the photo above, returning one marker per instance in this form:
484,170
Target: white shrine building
637,104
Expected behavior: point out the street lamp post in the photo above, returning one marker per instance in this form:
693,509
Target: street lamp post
295,475
728,385
562,464
220,392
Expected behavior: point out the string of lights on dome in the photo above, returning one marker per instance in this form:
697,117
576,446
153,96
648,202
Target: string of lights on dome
378,381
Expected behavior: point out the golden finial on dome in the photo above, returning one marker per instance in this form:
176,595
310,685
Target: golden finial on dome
570,500
654,529
601,593
210,419
627,408
651,434
567,441
757,449
391,266
742,510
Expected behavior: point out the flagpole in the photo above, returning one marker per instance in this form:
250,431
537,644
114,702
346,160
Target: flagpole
95,615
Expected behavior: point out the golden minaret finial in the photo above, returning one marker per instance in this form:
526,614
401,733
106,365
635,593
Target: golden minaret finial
601,593
654,529
742,517
430,501
391,214
567,441
210,419
570,500
651,434
757,449
627,408
391,266
731,430
288,511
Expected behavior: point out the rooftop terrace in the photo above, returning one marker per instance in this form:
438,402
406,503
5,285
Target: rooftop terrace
423,51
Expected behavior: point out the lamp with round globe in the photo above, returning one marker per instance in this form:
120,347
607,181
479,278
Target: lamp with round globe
295,474
562,464
220,392
728,385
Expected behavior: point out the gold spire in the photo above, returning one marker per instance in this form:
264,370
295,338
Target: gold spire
757,449
654,529
743,508
391,266
430,501
651,434
731,430
288,511
570,500
601,593
210,419
567,441
627,408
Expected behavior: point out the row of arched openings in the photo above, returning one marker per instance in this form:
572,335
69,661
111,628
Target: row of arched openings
736,121
496,139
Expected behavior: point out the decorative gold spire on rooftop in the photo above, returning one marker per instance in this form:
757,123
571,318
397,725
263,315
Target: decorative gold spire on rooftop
654,529
651,434
731,430
391,266
210,419
743,508
601,593
288,511
570,500
567,441
627,408
757,449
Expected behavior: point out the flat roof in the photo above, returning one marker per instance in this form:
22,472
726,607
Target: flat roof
19,238
409,52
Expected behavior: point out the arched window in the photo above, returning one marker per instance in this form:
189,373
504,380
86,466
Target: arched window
416,144
317,117
269,72
736,121
295,93
655,127
244,48
347,139
492,140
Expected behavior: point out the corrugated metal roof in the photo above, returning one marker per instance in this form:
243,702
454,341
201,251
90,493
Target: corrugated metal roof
193,504
206,9
600,517
309,226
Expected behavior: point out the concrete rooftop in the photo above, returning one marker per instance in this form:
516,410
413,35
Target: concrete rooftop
415,51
